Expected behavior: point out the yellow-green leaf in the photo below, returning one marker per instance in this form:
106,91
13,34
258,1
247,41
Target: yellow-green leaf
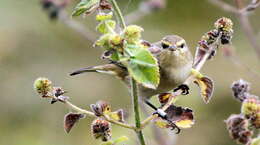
142,66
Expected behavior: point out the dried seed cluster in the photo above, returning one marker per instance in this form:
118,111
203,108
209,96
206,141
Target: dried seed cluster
101,129
240,90
240,126
222,34
44,88
237,126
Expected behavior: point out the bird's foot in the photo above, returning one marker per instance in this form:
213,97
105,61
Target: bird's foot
162,114
185,89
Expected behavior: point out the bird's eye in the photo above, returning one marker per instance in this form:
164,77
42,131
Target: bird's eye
182,45
164,45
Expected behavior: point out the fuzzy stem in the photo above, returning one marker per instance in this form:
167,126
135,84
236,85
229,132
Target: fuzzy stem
133,86
118,13
134,95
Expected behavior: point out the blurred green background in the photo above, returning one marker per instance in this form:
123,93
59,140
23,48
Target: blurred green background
32,46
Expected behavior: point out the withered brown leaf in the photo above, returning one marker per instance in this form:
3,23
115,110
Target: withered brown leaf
70,119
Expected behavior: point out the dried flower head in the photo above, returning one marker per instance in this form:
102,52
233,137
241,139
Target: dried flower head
238,130
224,24
240,89
43,86
101,129
100,108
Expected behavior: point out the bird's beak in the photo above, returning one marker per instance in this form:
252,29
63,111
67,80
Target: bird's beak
173,48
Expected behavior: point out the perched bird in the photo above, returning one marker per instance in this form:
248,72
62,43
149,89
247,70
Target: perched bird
175,62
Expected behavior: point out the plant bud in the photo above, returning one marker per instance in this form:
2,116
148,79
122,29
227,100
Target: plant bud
132,33
43,86
101,129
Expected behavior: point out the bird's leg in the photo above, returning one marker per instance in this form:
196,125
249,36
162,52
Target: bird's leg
162,114
185,89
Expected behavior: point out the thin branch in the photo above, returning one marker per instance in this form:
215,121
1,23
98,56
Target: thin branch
76,26
252,6
242,16
225,6
118,13
145,8
133,86
89,113
134,95
249,32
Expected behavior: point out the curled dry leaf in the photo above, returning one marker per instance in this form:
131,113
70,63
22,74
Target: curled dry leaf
182,117
70,119
164,98
206,88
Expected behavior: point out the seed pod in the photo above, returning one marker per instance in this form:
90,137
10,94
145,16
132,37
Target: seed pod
43,86
237,127
101,129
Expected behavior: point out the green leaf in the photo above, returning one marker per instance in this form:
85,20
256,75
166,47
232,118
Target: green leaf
121,139
142,66
85,6
106,26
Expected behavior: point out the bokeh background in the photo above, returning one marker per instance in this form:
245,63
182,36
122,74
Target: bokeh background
32,46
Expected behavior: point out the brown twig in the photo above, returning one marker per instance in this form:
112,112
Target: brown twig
89,113
242,15
76,26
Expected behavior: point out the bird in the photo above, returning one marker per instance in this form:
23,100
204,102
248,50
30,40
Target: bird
175,64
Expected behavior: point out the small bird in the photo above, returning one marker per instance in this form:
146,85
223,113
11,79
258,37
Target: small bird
175,64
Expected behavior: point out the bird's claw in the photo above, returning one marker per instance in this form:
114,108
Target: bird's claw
185,89
174,126
163,115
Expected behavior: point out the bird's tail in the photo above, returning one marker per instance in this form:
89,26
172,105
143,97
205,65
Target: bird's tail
83,70
111,69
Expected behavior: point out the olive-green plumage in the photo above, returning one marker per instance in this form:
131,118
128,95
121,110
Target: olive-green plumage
175,62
